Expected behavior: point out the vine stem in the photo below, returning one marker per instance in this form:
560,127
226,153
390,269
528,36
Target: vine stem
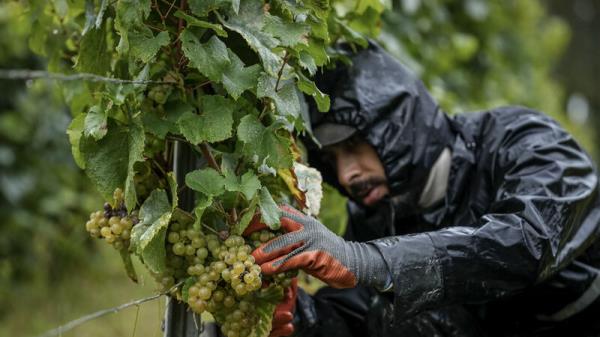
28,74
74,323
210,159
280,72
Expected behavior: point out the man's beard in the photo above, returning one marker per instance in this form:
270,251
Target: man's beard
360,188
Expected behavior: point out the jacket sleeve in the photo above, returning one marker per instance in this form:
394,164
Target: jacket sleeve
544,186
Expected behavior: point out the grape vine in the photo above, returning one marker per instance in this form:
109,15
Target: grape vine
229,79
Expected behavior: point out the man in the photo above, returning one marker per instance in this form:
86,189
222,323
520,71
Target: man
483,224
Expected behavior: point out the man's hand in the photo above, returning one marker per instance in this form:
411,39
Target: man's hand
284,312
310,246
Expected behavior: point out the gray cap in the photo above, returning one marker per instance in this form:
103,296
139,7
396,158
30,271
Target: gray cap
331,133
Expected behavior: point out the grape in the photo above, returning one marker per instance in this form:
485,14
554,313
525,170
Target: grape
113,224
179,248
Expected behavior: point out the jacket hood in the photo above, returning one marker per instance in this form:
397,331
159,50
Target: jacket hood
392,110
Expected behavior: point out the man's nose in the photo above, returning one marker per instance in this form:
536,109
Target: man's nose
348,169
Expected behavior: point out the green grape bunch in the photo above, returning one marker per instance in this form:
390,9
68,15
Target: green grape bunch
220,275
113,224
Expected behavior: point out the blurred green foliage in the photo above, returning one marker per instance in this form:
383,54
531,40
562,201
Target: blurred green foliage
44,197
481,54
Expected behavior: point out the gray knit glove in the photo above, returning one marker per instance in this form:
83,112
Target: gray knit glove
312,247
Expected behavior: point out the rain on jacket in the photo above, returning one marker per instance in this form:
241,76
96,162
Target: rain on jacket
516,232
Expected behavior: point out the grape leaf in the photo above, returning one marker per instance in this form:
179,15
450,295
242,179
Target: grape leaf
173,189
95,123
151,246
237,78
310,88
247,184
285,96
154,207
207,181
185,294
289,33
128,264
316,50
249,23
250,129
143,45
130,14
75,131
264,145
307,62
265,302
192,21
213,125
319,7
247,216
210,58
269,211
109,161
94,56
203,7
202,203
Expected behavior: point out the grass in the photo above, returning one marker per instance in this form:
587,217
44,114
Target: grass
36,308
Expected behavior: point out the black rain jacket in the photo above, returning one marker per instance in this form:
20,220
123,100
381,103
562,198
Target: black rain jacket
513,239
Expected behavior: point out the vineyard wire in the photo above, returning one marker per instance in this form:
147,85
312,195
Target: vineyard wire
76,322
28,74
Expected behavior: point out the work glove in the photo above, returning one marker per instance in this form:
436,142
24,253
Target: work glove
284,312
312,247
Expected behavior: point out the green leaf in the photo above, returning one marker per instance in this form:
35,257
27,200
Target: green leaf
213,125
265,302
185,289
131,13
152,244
219,64
143,46
269,211
203,7
94,56
109,161
249,24
264,143
285,96
75,131
237,78
310,88
307,62
248,184
192,21
351,35
289,33
316,50
250,129
154,207
241,226
202,203
128,264
319,7
211,58
161,125
174,189
207,181
95,123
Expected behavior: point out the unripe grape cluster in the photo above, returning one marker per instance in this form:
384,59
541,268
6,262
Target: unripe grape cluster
112,224
224,275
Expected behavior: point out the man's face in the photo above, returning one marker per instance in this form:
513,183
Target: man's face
359,170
